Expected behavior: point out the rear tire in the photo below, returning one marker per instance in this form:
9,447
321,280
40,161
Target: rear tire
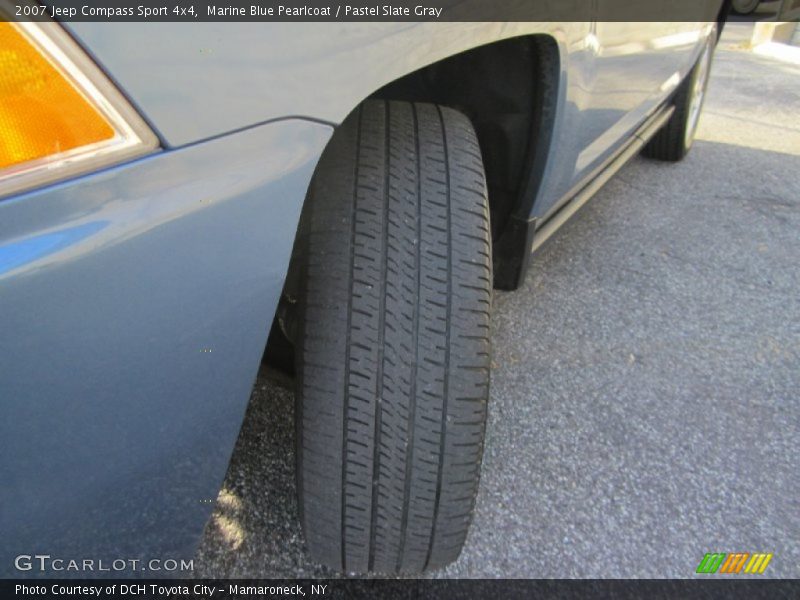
393,349
674,140
745,7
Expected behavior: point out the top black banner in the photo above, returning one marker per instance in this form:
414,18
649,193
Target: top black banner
377,10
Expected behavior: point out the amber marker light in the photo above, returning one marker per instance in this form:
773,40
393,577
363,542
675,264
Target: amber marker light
59,115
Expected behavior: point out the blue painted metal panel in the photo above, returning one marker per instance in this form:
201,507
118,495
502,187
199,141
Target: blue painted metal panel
134,308
210,78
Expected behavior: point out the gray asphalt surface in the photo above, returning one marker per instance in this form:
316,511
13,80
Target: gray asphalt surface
644,405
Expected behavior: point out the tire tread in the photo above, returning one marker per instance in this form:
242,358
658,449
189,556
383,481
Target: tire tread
394,340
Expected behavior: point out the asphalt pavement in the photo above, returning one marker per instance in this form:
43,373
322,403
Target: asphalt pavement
645,402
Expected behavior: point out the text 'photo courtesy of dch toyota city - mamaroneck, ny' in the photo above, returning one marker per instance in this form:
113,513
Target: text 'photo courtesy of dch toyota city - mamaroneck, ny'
424,299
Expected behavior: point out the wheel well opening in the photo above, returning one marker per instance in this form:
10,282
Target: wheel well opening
508,89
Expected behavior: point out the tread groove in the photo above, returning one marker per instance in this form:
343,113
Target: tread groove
380,362
346,377
412,396
446,382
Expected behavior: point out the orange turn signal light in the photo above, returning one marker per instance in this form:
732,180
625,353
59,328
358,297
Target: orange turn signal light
41,111
59,114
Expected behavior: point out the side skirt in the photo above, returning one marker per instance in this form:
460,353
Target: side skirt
580,194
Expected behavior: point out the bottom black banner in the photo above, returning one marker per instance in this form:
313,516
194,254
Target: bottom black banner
450,589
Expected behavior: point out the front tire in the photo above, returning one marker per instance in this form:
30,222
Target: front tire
393,349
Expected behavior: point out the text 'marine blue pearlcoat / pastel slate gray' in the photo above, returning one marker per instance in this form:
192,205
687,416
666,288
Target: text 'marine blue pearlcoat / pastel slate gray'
136,301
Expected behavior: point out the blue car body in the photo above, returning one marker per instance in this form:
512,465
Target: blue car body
136,301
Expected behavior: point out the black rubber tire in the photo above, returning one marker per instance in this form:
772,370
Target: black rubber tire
393,354
744,7
670,143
